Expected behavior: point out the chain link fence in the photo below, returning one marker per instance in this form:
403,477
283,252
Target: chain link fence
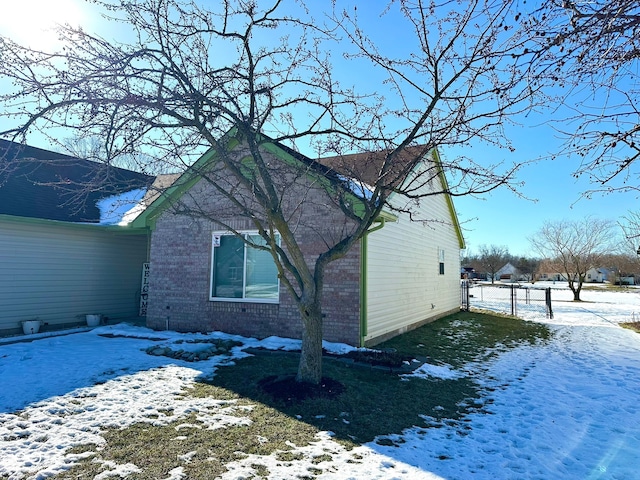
512,299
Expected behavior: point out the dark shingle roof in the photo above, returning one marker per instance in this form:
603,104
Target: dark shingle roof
40,183
367,166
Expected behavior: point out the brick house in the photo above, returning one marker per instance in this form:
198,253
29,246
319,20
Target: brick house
402,274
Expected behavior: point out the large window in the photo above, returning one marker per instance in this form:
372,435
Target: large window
240,272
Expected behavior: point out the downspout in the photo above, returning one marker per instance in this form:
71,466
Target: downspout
363,280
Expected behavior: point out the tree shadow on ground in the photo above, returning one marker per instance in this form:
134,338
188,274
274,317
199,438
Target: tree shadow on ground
361,403
356,403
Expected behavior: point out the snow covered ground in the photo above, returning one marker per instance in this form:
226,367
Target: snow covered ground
569,409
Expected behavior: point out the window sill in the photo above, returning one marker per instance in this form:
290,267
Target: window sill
245,300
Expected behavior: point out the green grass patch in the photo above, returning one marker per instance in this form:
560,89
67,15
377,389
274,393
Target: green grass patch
467,336
373,402
373,405
609,287
635,326
202,453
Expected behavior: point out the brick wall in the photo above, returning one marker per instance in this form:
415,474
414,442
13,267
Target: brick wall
180,263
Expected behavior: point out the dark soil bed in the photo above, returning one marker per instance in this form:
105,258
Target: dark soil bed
390,358
288,390
383,358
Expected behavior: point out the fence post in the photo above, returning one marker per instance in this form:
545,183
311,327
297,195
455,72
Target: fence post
513,301
465,295
547,298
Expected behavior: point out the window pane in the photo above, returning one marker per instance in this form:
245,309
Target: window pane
228,267
262,274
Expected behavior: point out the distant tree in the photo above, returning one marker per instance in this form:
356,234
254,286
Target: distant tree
492,258
528,267
630,243
575,247
587,55
621,265
472,261
630,225
189,72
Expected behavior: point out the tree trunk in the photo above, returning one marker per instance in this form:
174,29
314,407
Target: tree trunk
310,366
576,291
576,295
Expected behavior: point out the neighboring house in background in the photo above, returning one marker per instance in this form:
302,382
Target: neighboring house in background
61,256
617,277
548,272
508,273
628,279
551,277
469,273
596,275
402,274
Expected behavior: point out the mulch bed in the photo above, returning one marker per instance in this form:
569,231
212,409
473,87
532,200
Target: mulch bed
288,390
381,358
385,361
133,337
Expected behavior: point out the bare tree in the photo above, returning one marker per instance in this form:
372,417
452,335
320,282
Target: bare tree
630,225
575,247
621,267
586,54
190,74
528,267
91,148
630,244
492,258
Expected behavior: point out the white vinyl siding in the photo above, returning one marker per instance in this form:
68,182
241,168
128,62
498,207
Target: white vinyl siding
59,272
404,283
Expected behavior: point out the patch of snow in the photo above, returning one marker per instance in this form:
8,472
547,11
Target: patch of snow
357,187
443,372
120,471
176,474
121,209
567,408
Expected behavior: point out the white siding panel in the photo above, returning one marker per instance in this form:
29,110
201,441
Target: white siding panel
59,272
404,285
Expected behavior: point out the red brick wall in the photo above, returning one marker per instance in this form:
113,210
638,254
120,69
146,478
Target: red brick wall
180,264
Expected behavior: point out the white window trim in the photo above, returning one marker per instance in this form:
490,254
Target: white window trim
244,273
441,262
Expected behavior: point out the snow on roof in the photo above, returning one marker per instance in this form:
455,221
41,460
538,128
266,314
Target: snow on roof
121,209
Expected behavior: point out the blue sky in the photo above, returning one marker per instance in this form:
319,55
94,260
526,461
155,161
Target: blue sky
553,194
500,218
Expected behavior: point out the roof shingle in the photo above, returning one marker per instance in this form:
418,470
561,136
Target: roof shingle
39,183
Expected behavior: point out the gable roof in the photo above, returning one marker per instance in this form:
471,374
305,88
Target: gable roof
163,199
507,269
38,183
368,165
365,166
